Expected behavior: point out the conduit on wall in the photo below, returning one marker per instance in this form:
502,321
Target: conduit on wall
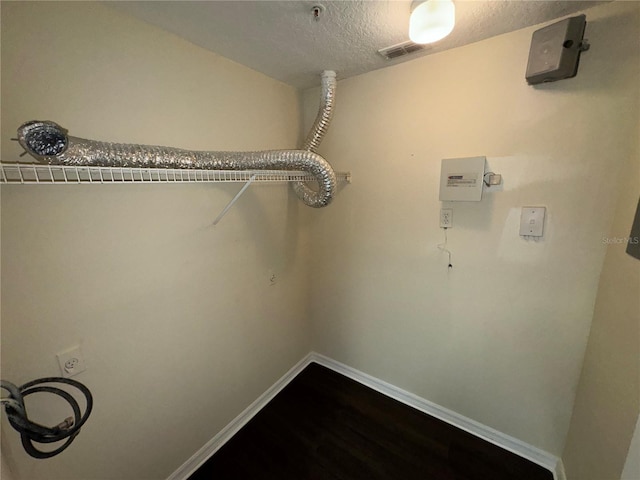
48,142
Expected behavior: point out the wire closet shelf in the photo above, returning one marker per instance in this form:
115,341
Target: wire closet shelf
31,173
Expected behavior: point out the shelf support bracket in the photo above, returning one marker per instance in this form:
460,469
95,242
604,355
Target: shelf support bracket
235,199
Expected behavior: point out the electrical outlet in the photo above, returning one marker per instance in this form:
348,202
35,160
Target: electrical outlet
446,217
71,362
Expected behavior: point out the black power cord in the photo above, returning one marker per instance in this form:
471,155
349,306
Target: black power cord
33,432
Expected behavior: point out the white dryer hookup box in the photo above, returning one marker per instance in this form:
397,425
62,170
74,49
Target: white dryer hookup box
461,179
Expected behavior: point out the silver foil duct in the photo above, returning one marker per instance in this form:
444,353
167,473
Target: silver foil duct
48,142
319,128
325,112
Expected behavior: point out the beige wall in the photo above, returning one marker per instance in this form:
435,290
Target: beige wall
502,336
608,396
179,325
5,473
177,320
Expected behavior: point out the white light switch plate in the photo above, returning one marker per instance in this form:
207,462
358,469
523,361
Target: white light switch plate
532,221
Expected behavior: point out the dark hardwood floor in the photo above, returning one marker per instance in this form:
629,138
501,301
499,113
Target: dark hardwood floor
324,426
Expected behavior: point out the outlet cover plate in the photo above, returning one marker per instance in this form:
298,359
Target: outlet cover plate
71,362
532,221
446,217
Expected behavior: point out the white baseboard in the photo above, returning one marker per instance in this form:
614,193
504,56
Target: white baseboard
222,437
534,454
559,473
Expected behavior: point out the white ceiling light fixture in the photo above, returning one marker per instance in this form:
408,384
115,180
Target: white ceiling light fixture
431,20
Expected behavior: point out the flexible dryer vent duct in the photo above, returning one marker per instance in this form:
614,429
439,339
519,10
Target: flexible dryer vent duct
48,142
318,130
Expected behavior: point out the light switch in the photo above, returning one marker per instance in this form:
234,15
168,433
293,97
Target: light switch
532,221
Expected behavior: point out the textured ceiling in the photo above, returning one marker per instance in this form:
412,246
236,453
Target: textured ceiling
282,40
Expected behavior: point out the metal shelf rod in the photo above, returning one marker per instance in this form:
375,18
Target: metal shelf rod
38,174
31,173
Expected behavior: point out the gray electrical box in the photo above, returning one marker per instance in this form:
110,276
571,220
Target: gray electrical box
555,51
